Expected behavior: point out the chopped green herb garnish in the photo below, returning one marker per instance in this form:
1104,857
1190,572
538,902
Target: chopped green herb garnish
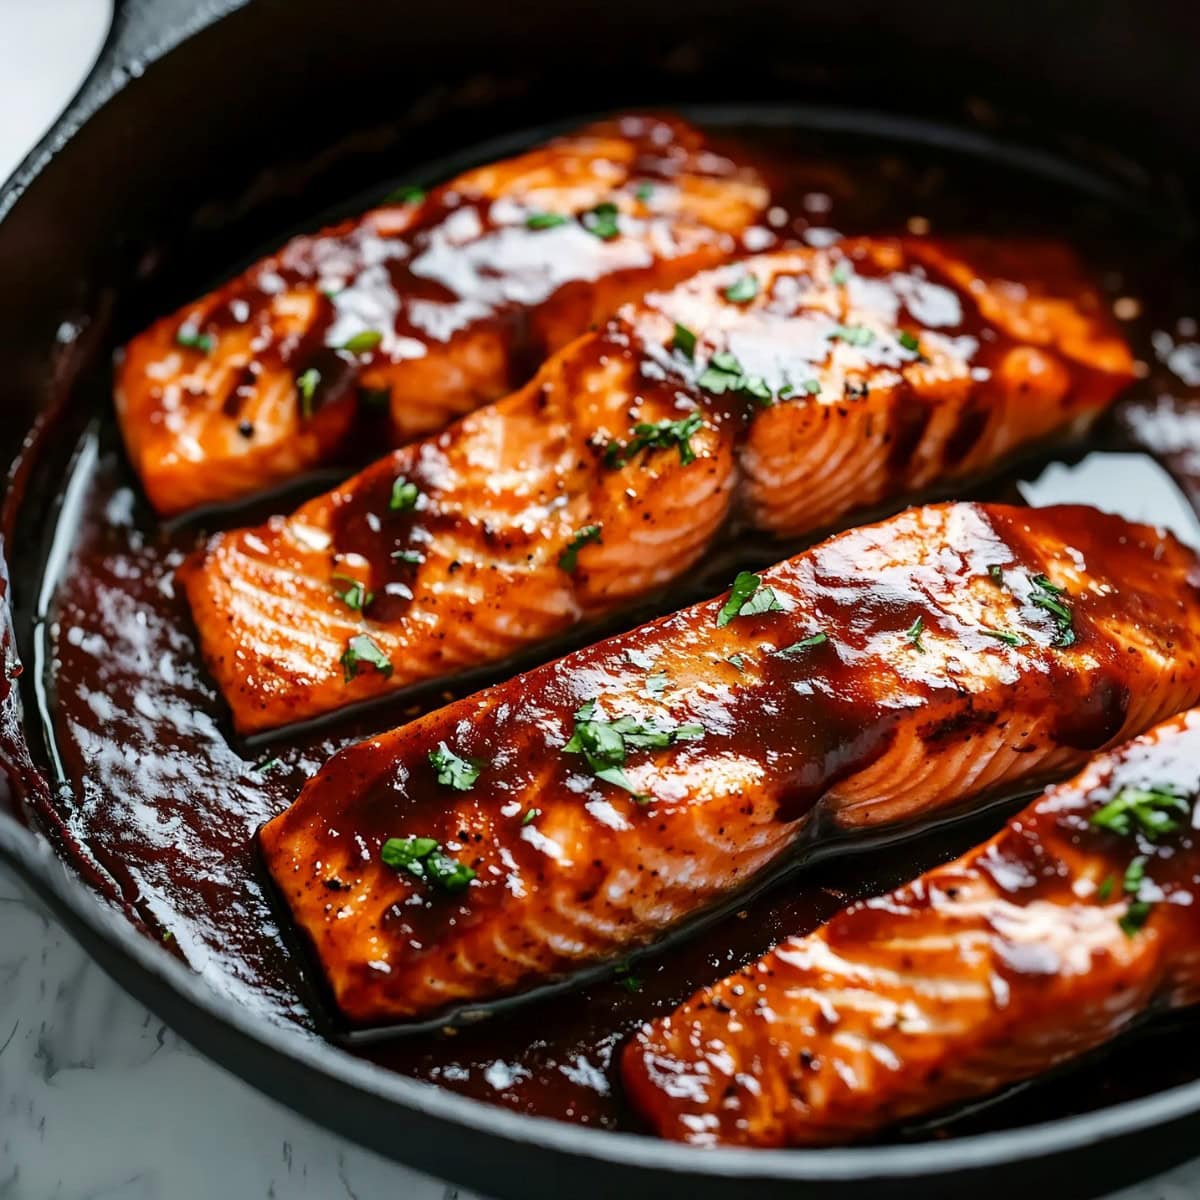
657,682
1150,811
908,340
602,221
748,599
452,771
355,596
404,495
684,341
605,744
853,335
306,383
743,291
1003,635
997,573
408,194
192,339
1105,890
798,648
812,386
1134,874
362,649
738,661
755,386
408,556
362,342
1136,915
267,764
644,191
531,815
425,859
914,631
545,220
625,977
725,374
840,274
569,558
1046,595
660,436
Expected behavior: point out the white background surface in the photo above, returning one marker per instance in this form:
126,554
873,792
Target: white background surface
98,1100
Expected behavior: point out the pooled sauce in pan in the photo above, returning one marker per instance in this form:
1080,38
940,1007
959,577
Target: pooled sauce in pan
163,800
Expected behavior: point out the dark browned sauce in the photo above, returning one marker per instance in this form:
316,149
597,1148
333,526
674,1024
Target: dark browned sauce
162,801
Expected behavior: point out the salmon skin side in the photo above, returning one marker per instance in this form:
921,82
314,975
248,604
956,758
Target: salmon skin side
1030,950
580,811
389,325
779,393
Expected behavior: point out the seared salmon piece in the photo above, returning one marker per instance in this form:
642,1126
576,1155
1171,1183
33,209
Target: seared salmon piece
780,393
1039,945
421,310
580,811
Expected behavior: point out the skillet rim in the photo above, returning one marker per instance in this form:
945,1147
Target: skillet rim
126,55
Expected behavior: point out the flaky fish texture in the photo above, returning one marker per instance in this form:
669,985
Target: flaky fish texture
781,393
389,325
582,810
1043,943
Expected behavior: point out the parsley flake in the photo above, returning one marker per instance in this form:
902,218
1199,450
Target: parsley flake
1150,811
908,340
407,194
363,342
605,744
798,648
362,649
306,384
644,191
452,771
531,815
191,338
404,495
568,560
602,221
423,858
1046,596
1003,635
408,556
742,291
840,274
544,220
660,436
684,340
748,599
852,335
355,596
914,631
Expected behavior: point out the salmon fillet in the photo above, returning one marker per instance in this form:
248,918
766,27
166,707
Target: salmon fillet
421,310
1039,945
580,811
779,393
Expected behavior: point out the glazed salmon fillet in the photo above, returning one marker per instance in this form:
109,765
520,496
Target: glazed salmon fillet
1043,943
580,811
778,394
391,324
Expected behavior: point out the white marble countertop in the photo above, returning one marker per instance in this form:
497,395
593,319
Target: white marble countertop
98,1099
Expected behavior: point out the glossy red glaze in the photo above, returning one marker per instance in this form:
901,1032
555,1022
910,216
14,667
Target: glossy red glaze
876,725
1046,941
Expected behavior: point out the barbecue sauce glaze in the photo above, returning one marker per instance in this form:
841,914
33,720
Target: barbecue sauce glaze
162,802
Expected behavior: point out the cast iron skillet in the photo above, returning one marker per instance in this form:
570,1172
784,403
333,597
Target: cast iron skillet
208,123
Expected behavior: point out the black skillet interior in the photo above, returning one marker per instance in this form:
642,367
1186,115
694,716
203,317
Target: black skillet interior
282,109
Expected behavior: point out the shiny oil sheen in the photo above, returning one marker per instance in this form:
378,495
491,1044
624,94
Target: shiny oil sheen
162,801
